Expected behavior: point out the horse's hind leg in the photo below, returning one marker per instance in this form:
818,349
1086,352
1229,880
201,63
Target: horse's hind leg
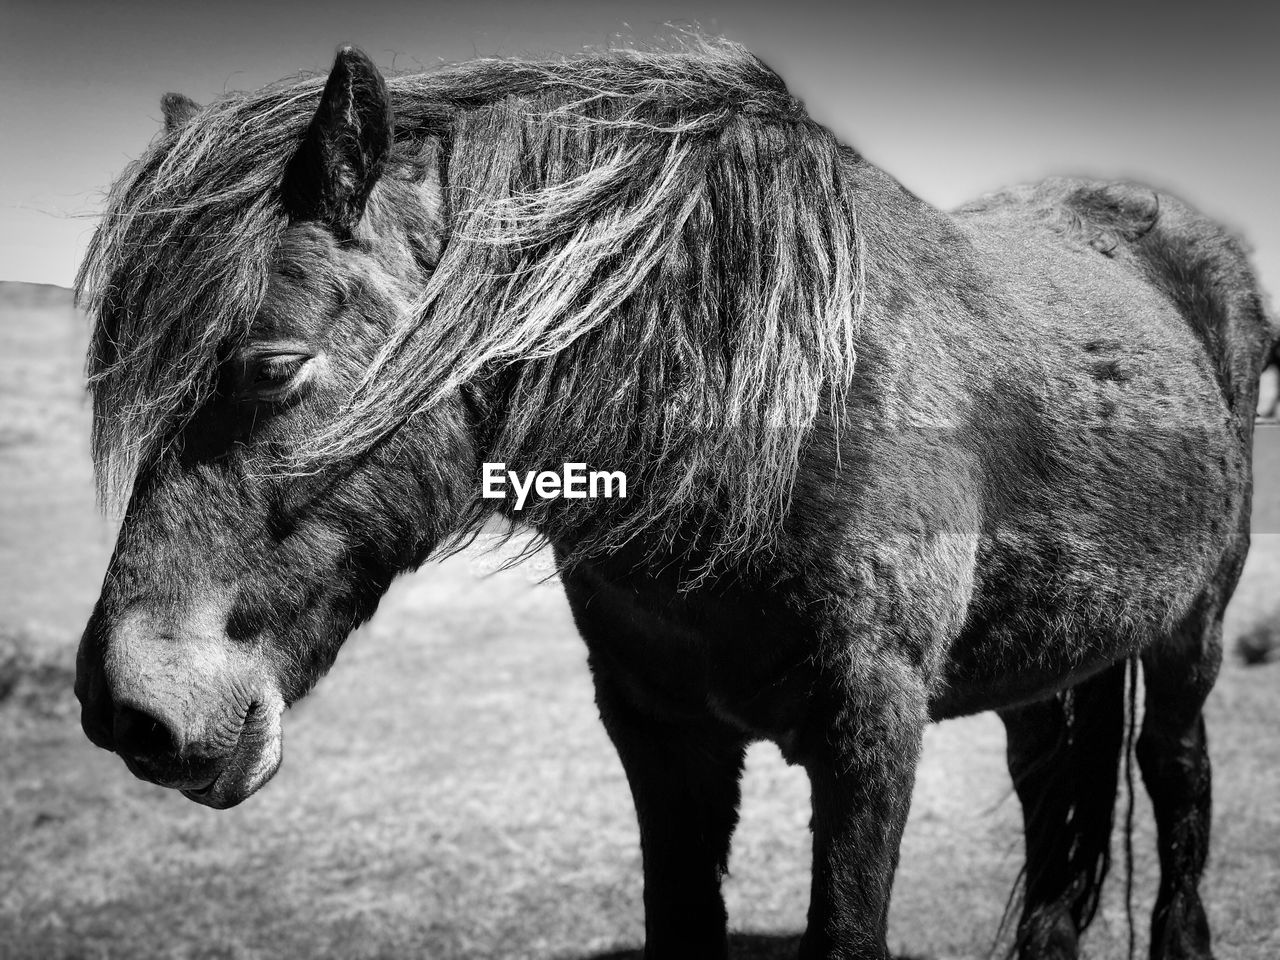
1063,755
1174,758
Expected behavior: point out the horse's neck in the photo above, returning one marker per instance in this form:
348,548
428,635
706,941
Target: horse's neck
916,260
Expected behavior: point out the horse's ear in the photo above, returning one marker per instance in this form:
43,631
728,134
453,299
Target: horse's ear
344,149
178,109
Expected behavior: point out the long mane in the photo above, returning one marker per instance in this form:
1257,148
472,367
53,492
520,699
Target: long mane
655,253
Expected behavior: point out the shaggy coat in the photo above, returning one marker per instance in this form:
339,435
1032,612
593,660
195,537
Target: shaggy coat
885,464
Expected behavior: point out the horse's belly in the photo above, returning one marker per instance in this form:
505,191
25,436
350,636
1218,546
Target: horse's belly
1097,567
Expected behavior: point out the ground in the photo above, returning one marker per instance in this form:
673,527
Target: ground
448,791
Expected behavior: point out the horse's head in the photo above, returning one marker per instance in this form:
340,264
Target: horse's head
233,583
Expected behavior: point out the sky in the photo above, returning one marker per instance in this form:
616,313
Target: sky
954,99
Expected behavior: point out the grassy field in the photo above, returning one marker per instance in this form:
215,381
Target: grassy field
448,792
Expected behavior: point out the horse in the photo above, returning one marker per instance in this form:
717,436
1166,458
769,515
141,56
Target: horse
886,464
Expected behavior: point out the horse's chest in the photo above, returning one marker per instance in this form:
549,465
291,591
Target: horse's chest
744,660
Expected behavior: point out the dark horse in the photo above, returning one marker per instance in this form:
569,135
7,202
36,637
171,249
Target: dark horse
886,465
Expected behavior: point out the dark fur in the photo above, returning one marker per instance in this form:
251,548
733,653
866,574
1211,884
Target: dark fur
1037,468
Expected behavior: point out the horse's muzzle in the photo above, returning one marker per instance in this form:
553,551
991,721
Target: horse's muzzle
190,712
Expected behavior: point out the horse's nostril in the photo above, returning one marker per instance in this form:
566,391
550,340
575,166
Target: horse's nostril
141,735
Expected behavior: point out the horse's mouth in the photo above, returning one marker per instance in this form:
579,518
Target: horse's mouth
198,793
184,777
251,763
235,775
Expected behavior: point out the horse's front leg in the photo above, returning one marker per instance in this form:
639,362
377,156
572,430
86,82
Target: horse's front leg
684,778
860,750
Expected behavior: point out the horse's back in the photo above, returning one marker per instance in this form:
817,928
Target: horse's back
1189,262
1134,337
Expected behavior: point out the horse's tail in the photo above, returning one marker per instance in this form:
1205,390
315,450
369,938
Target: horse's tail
1079,783
1130,739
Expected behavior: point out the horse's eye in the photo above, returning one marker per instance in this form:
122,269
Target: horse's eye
276,376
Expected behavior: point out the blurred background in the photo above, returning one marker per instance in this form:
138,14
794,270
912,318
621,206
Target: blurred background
953,99
448,791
